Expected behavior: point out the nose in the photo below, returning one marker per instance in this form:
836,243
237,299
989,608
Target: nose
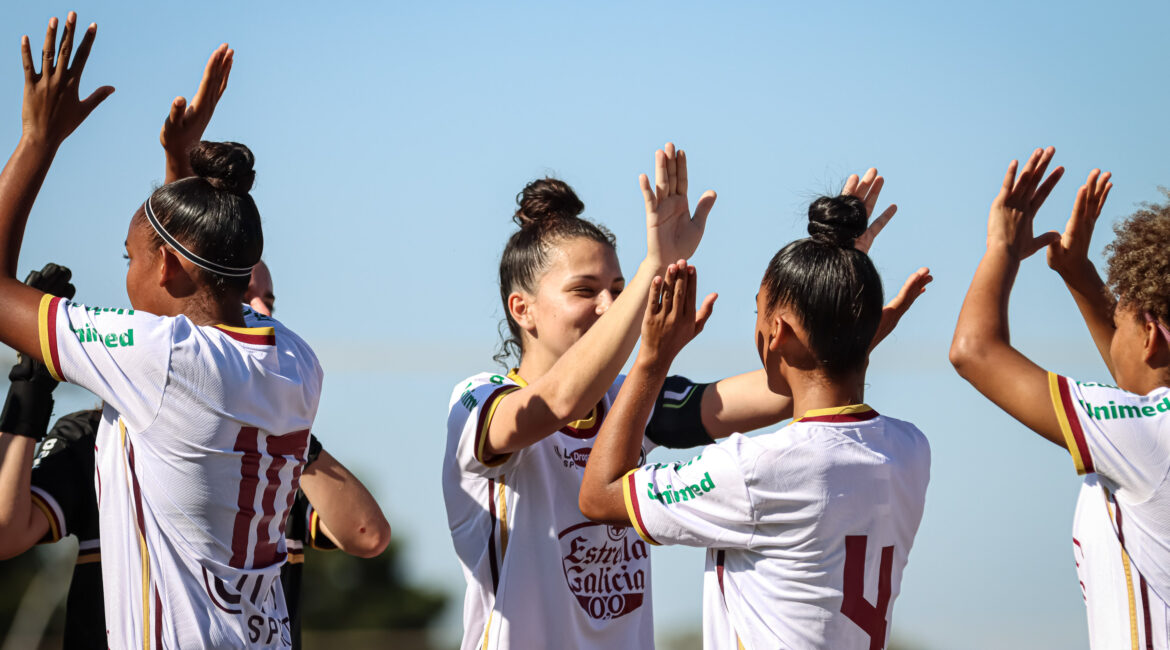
604,300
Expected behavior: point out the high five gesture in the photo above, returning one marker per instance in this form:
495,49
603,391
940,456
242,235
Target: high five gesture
52,106
672,233
184,126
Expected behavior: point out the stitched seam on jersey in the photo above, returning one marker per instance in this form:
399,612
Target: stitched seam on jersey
481,430
162,398
1116,519
49,506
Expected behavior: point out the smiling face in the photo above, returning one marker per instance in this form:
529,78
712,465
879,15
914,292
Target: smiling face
581,281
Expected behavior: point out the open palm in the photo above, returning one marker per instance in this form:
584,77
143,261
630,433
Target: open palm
672,233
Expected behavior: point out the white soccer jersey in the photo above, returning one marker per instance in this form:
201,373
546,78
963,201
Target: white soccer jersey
539,574
1121,533
199,452
808,528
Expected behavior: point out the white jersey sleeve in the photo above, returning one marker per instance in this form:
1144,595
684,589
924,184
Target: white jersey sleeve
117,354
703,502
473,403
1119,435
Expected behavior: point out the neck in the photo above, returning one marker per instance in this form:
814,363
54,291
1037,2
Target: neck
202,310
534,363
813,390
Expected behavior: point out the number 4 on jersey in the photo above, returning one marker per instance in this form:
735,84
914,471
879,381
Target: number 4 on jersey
870,618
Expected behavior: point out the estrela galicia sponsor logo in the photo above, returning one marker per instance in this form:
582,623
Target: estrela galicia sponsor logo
605,568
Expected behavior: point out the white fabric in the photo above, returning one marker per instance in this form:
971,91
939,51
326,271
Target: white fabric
199,452
1125,440
561,581
780,510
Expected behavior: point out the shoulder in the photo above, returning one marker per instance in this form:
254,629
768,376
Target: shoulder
469,393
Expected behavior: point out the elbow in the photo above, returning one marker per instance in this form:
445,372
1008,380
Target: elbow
589,505
963,354
371,540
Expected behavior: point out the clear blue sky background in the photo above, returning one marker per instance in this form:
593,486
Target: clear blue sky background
391,139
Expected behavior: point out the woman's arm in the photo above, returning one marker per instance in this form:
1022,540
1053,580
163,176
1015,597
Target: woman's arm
670,322
1070,258
184,126
51,111
981,351
349,514
21,525
579,379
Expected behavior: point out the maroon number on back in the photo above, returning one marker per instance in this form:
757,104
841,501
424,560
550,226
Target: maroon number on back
279,448
870,618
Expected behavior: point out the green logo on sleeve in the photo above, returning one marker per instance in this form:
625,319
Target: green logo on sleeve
1114,411
670,495
88,334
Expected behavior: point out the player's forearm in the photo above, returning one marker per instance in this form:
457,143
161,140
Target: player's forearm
16,509
579,378
19,184
983,320
349,514
743,403
178,165
1096,304
619,443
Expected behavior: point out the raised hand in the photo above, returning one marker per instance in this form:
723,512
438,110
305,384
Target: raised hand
1014,208
671,320
1069,255
868,188
52,108
671,232
895,309
185,124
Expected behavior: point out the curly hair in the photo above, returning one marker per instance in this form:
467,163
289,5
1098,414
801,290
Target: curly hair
1139,260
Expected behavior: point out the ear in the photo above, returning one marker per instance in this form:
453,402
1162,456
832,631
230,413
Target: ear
520,307
1156,351
169,267
778,331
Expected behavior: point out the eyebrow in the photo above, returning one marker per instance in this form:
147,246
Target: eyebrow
594,278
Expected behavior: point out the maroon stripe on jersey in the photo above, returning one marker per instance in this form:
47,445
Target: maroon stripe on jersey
249,480
279,447
492,535
52,327
158,619
1146,611
137,491
244,337
484,410
843,417
638,509
1074,423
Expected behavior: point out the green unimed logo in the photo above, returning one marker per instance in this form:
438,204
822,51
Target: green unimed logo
1114,411
87,334
685,493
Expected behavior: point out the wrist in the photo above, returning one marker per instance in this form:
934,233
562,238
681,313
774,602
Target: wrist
651,364
33,141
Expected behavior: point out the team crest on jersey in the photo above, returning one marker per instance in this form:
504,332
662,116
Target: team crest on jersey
606,568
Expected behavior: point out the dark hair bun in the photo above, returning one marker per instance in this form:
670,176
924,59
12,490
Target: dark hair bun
546,199
226,166
837,220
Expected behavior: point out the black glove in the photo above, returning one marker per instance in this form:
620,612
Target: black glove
29,405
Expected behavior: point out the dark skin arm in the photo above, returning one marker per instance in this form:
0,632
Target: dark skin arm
51,111
184,126
670,322
21,524
981,350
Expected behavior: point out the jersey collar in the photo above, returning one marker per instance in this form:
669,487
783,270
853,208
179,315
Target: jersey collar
850,413
584,424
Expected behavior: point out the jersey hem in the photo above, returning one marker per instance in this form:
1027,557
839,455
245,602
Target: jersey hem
633,510
1070,424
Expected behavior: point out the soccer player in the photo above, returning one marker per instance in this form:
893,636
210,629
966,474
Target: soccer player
208,407
539,574
1118,436
808,529
58,498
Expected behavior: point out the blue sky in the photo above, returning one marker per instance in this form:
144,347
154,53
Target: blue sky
391,139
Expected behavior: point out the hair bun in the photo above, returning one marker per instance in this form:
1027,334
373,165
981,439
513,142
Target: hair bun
837,220
226,166
546,199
